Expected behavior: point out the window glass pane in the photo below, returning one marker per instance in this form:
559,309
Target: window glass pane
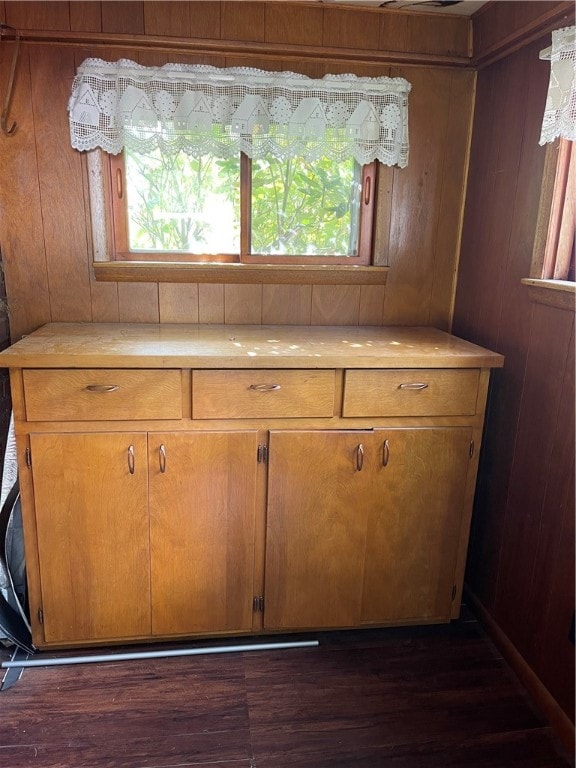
180,203
305,208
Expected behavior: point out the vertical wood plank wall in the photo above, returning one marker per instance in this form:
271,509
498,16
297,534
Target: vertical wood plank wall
44,220
521,559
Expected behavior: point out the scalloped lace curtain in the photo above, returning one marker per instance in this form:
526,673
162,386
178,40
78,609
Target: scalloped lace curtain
560,110
204,110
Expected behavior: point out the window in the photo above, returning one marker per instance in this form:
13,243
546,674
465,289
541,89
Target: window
559,249
176,207
235,165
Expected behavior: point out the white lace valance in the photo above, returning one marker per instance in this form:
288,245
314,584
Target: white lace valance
560,111
202,109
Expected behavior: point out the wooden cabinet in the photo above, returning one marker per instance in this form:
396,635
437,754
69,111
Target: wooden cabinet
203,499
184,480
364,527
91,500
143,535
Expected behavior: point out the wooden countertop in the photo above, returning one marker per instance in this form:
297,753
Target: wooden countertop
131,345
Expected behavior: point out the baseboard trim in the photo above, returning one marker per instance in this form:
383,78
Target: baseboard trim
559,721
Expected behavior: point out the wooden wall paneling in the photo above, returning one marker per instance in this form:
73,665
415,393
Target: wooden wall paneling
371,309
509,102
181,57
515,203
210,303
167,18
205,19
138,303
269,63
243,304
551,332
178,302
85,16
61,192
293,25
415,201
473,255
21,232
500,25
243,21
452,198
505,325
361,70
335,304
552,584
345,28
314,69
119,16
427,33
3,12
286,304
38,15
393,31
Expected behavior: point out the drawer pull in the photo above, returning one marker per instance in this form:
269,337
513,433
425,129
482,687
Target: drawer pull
385,453
162,458
359,457
264,387
131,459
102,387
413,385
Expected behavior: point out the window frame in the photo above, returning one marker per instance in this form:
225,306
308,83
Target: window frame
116,175
548,290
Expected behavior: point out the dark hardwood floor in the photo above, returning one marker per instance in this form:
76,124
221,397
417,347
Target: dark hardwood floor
433,697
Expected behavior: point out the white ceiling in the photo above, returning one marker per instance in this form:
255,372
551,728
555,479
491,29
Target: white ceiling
461,7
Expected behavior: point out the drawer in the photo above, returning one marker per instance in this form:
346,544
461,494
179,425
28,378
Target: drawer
91,394
411,392
247,394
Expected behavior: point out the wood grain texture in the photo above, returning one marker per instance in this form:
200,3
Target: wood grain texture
167,18
104,300
517,508
61,192
119,16
85,16
38,15
21,226
415,212
243,21
344,28
80,561
202,520
149,345
295,25
436,697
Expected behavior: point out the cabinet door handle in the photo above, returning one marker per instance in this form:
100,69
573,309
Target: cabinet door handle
385,453
413,385
131,459
162,458
264,387
102,387
359,457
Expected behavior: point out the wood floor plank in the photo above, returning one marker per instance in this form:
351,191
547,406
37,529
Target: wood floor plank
413,697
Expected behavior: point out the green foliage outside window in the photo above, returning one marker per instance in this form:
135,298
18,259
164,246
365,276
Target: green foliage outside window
177,203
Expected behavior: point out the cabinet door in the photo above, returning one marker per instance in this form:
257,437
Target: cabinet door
318,496
203,495
414,523
92,523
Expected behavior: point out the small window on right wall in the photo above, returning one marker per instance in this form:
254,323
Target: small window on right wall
558,263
